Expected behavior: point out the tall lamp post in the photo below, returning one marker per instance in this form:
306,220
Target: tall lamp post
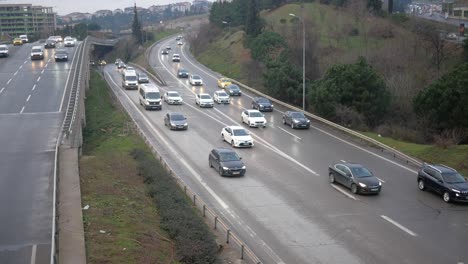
303,55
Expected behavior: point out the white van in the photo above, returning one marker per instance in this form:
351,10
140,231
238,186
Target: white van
149,96
24,38
130,80
37,53
4,51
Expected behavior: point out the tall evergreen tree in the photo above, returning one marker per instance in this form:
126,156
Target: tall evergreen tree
136,26
253,24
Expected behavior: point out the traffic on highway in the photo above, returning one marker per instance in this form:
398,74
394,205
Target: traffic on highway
294,189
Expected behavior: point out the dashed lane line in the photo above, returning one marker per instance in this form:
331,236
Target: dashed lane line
291,134
34,87
16,72
33,254
29,97
344,192
2,90
395,223
22,109
39,78
8,82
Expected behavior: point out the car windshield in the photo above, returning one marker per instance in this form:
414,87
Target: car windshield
183,71
142,76
3,48
263,100
36,50
62,52
256,114
196,77
131,78
453,177
234,87
361,172
228,156
173,94
130,68
153,95
240,132
297,115
222,94
205,96
177,117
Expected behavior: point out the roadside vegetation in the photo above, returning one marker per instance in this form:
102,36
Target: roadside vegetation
136,213
392,75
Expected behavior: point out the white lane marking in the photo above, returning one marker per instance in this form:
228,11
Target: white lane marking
2,90
42,71
344,192
8,81
349,143
343,161
46,65
22,109
39,78
380,180
399,225
34,87
68,78
29,97
25,62
365,150
48,61
20,67
33,254
16,72
198,177
291,134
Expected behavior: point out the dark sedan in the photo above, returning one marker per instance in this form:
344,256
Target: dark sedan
226,162
175,121
296,119
61,55
444,181
233,89
262,104
182,73
354,176
49,44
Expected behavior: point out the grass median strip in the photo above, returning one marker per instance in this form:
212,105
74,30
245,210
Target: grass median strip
124,224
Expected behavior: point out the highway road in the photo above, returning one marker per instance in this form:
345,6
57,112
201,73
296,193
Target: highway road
284,208
32,99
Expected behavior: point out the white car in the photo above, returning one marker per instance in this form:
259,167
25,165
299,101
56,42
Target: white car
176,58
180,43
195,79
204,100
68,42
221,97
129,69
172,97
237,136
253,118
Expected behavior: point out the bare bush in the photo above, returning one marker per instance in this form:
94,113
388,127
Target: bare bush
450,137
350,118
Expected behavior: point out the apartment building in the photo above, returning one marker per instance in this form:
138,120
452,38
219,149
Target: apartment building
18,19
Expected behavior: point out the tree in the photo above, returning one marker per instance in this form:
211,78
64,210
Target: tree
445,102
356,86
136,26
465,48
253,24
374,5
435,43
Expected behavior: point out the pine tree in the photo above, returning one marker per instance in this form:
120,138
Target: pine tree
136,26
253,24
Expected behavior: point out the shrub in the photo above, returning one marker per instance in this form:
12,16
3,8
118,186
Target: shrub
194,242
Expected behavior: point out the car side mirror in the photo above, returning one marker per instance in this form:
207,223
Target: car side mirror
144,97
240,158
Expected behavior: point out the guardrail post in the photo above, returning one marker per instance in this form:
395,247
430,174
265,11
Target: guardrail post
242,251
194,199
228,234
185,189
216,221
204,210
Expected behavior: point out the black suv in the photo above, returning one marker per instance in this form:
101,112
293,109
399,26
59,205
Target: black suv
443,180
226,162
182,73
262,104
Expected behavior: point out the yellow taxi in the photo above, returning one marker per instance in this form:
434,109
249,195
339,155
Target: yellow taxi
223,82
17,41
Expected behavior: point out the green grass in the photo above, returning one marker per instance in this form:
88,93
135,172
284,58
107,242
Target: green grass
455,156
110,184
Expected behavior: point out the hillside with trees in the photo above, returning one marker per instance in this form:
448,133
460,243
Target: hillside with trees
364,68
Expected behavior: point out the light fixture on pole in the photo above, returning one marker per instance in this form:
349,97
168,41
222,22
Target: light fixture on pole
303,56
226,23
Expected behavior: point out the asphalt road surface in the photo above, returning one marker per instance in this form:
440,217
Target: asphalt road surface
284,208
31,103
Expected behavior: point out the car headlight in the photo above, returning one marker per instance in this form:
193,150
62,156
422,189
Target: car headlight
455,190
172,124
185,124
308,121
243,167
225,168
362,185
380,183
272,105
296,121
261,106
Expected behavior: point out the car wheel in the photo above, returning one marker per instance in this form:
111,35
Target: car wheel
354,188
331,177
232,143
421,185
284,121
446,197
209,162
292,125
220,171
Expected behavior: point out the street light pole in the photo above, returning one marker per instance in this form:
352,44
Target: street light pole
303,56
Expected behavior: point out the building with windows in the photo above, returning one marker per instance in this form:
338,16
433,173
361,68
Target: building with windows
456,9
18,19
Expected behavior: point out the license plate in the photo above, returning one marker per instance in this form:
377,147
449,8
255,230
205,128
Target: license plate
236,172
374,189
